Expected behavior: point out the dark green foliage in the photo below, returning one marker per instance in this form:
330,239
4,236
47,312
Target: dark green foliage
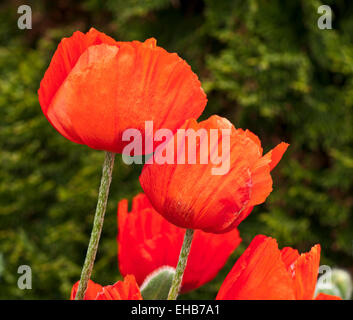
264,64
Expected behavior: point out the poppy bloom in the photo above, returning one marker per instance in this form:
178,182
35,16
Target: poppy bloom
146,242
96,87
264,272
192,194
122,290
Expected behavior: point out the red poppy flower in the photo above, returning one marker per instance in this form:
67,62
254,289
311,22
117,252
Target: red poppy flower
96,87
146,242
192,195
264,272
122,290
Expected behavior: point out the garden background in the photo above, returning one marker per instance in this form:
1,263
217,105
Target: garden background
265,65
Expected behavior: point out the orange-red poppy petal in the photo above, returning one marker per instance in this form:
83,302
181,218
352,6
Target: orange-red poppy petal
146,241
306,269
65,57
289,257
276,154
324,296
91,293
122,290
261,182
189,195
84,105
259,274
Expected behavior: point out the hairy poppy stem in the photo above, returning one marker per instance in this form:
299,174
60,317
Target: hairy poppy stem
97,224
183,258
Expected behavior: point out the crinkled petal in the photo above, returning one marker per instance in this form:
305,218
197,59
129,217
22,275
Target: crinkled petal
91,293
259,274
305,272
122,290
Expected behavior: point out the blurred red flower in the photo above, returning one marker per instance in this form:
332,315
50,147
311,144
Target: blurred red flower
191,196
122,290
324,296
146,242
96,87
264,272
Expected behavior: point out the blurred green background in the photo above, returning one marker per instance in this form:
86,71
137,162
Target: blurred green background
264,64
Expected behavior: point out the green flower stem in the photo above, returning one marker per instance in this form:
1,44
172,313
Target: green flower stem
183,258
97,224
